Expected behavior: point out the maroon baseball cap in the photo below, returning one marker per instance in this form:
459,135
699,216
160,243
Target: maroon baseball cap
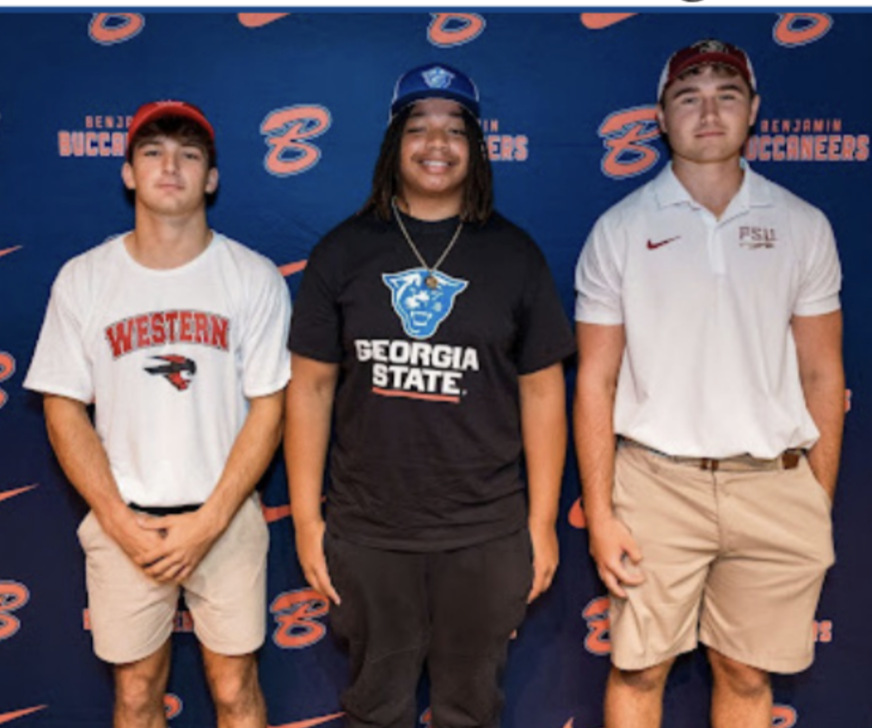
158,109
702,52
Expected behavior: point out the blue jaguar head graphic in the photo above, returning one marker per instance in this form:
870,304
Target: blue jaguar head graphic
421,309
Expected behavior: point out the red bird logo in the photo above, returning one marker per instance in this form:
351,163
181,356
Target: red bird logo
179,371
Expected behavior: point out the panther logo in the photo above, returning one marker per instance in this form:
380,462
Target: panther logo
422,309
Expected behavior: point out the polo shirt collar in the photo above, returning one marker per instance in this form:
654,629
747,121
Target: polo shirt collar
754,191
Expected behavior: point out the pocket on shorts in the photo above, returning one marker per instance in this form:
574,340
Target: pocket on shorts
816,484
85,529
619,479
259,525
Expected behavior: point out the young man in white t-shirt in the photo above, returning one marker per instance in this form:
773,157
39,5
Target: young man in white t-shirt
709,330
177,336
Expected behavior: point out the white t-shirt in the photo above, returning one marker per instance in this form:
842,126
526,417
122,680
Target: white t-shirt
168,357
710,366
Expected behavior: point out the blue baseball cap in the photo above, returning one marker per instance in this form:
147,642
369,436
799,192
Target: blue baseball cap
435,80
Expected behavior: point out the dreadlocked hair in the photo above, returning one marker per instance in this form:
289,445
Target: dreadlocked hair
478,196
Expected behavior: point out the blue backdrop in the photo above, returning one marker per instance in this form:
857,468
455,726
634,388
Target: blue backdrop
300,102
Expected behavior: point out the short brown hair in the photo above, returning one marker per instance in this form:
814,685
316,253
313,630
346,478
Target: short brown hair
180,128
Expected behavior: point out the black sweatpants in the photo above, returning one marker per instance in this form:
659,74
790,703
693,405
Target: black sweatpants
454,610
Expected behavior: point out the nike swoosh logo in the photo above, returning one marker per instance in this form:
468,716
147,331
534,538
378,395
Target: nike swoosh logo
12,493
258,20
6,251
271,514
291,268
311,722
599,21
15,714
654,246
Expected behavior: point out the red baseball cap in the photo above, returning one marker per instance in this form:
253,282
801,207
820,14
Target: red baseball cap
702,52
158,109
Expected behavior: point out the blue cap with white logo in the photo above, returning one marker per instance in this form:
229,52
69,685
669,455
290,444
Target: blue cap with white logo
435,80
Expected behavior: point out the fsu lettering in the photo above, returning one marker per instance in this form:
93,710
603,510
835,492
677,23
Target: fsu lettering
167,327
753,237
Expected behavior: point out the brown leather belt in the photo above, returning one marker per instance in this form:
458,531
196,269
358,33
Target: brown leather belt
788,460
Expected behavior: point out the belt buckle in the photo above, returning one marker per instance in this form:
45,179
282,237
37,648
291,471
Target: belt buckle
790,459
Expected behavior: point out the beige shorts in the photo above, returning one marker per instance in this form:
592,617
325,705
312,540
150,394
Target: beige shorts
132,615
734,559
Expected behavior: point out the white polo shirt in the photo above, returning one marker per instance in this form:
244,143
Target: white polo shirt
710,366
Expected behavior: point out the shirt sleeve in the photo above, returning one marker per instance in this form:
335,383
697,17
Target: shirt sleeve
266,364
598,280
316,328
545,333
822,273
60,363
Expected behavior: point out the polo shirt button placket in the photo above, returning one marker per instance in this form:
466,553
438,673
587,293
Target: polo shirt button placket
715,245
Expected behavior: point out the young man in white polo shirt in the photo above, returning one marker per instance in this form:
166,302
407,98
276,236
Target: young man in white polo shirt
176,334
709,406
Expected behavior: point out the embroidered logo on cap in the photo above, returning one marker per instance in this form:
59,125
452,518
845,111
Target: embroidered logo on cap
437,77
711,46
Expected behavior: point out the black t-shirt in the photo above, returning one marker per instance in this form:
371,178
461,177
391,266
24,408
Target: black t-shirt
427,445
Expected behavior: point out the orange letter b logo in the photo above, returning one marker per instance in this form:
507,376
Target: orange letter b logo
286,131
12,596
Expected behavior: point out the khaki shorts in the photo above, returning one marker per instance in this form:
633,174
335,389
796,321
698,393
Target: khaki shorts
735,559
132,615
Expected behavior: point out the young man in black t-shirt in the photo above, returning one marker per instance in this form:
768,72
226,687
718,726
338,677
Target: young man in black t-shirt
431,327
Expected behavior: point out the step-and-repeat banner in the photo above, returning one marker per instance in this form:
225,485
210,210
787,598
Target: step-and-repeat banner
300,102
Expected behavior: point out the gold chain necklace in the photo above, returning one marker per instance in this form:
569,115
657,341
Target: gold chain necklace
431,281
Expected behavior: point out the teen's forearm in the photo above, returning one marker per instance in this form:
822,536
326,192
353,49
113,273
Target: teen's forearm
252,451
544,434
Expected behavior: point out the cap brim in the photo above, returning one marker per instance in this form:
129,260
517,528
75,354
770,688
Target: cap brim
416,96
705,59
159,112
